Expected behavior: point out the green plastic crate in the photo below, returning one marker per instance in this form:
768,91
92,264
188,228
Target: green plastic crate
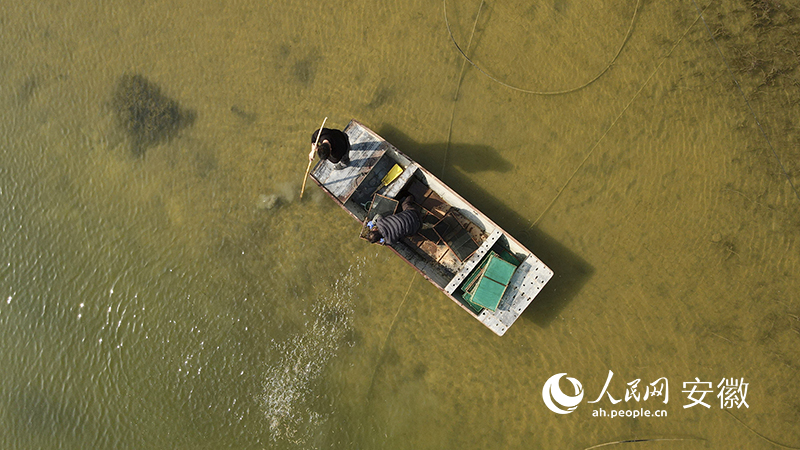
485,287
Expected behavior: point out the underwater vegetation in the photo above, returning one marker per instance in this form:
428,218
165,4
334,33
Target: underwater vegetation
764,42
147,116
761,39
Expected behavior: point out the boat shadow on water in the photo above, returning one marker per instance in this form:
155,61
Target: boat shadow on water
571,272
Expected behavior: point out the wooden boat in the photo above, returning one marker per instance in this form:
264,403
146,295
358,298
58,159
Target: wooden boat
488,273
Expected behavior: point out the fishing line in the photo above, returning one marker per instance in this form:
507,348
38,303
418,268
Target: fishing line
752,111
458,87
535,92
597,143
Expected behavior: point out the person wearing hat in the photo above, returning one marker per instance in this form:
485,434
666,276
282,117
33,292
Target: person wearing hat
390,229
333,145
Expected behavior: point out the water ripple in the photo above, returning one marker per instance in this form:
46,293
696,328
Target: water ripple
288,395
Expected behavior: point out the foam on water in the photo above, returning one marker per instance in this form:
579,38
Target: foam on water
288,393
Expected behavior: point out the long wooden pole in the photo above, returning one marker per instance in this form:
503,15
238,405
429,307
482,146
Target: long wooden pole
308,169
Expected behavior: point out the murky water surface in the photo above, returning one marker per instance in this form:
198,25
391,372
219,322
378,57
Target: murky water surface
162,286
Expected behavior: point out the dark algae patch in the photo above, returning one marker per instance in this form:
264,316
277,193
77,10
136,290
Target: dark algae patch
146,115
760,40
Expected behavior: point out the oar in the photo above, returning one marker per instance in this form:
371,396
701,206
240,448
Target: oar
308,169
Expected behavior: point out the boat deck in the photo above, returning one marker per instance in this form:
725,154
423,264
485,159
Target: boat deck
365,152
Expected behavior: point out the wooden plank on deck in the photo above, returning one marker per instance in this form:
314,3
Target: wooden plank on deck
365,151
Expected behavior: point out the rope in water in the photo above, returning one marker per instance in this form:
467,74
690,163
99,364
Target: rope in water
759,434
386,339
458,89
597,143
632,441
752,111
535,92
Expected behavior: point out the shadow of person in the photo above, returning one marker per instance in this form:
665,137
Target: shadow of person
571,272
469,158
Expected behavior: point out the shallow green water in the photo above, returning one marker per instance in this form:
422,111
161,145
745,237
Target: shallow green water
154,302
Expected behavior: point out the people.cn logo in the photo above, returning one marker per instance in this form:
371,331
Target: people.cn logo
556,400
